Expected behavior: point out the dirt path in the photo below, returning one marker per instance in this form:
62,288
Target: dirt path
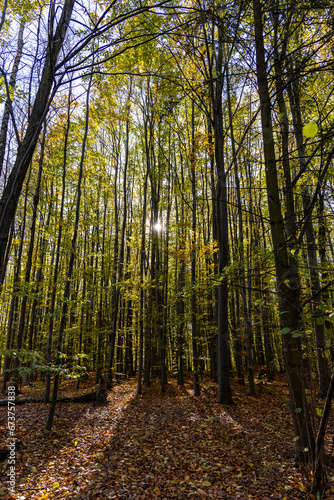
159,446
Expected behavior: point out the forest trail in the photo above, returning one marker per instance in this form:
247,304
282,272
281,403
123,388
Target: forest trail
160,446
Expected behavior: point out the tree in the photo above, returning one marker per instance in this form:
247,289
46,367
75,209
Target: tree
12,191
287,276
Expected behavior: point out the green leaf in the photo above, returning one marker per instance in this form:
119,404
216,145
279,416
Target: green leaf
296,335
280,116
319,412
296,438
310,129
285,330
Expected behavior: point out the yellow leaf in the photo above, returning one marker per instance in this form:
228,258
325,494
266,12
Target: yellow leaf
310,129
55,486
157,491
206,483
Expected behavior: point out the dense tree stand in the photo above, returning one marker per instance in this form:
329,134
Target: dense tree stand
166,212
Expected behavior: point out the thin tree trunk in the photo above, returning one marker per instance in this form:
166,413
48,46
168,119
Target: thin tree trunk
120,257
247,317
70,269
8,103
22,321
214,338
319,327
180,302
194,327
141,270
321,345
57,259
16,290
99,363
224,355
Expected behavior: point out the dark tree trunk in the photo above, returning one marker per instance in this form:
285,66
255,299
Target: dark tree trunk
224,355
12,191
286,271
194,327
8,103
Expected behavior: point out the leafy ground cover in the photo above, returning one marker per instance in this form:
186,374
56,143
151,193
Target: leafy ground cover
158,446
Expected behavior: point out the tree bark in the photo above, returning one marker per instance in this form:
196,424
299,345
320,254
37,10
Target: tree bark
194,327
287,278
223,349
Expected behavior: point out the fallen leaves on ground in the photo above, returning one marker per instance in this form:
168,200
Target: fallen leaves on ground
161,446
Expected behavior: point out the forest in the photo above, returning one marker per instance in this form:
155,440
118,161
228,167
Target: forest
166,249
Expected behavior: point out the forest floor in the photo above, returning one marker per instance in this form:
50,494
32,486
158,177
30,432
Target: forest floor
158,446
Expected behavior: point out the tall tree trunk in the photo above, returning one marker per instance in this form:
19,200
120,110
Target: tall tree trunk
16,290
141,264
67,289
286,274
8,103
181,278
39,277
322,244
120,257
319,327
243,291
194,327
224,355
99,363
58,253
214,338
12,191
164,312
22,322
321,345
